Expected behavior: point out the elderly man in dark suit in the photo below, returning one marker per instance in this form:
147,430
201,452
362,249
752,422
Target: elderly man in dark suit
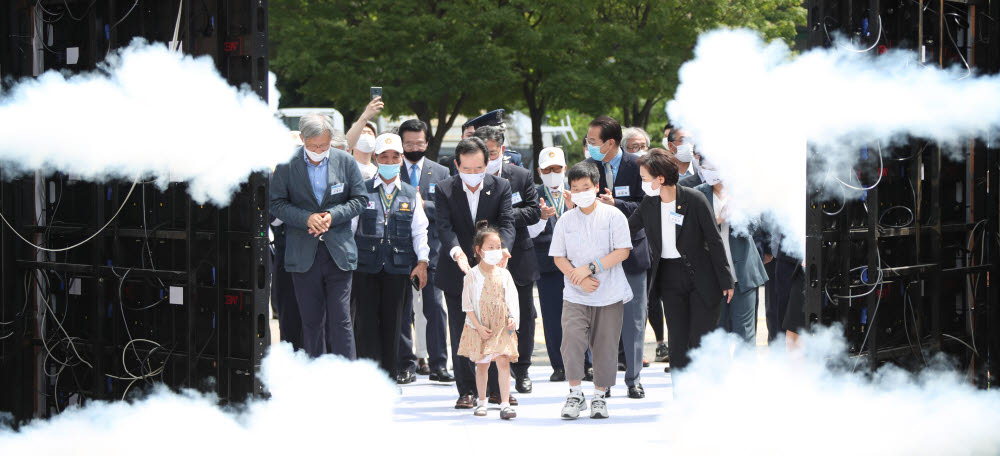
690,269
621,187
523,265
316,194
461,201
426,175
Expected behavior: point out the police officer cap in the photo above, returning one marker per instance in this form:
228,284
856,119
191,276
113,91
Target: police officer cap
491,119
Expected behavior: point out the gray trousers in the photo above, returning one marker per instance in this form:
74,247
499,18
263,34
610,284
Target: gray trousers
598,328
634,327
738,316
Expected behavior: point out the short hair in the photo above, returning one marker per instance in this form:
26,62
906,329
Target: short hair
489,132
584,170
338,140
313,125
372,126
610,129
668,126
632,132
469,146
659,162
415,125
673,133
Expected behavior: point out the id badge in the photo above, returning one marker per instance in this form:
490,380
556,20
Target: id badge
622,192
336,189
515,198
675,218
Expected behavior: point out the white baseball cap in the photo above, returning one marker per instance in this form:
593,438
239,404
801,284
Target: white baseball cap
388,141
551,156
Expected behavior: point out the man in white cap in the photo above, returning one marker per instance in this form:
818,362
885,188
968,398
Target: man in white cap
554,200
389,256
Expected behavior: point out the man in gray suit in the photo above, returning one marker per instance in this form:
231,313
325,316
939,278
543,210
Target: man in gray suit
316,194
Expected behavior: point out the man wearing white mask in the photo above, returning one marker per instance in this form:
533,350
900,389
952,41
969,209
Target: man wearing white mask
523,265
361,138
391,235
682,147
462,201
635,141
555,200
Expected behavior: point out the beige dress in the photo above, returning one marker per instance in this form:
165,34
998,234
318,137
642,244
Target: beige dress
493,315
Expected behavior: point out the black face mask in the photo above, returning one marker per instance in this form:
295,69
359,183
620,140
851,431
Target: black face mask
414,156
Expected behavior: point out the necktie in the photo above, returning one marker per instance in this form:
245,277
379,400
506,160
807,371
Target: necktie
414,175
609,177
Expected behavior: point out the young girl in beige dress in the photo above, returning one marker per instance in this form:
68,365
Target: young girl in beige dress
489,300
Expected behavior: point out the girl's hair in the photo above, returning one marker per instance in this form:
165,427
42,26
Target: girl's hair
483,229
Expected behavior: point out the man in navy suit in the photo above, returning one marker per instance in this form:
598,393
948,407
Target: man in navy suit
621,187
523,265
316,194
426,175
461,201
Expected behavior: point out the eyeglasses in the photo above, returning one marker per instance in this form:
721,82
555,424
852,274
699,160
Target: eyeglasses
318,150
414,145
637,147
592,142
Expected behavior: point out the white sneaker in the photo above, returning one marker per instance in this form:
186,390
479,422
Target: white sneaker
598,408
575,403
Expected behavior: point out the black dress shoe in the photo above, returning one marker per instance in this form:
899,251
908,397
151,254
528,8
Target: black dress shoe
523,385
636,392
621,367
405,377
558,375
588,374
495,399
441,375
422,368
466,401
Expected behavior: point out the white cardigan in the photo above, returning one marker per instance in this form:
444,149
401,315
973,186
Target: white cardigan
473,289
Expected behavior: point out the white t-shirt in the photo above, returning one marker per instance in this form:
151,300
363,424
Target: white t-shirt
668,231
583,238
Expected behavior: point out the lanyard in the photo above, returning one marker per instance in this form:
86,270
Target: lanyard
560,204
387,199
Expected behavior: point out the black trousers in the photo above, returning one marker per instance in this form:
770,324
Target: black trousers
380,310
689,317
437,340
525,339
465,370
324,297
655,314
283,300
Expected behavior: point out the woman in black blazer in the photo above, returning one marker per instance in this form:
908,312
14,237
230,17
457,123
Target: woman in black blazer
689,268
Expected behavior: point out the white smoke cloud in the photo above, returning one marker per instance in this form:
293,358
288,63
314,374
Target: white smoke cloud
752,106
273,95
748,403
146,111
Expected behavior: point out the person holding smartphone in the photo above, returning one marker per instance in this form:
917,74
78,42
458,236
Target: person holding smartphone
391,234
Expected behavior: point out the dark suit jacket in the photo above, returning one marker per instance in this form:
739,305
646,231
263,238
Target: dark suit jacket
698,242
523,265
691,181
749,268
544,239
431,174
455,226
628,176
293,202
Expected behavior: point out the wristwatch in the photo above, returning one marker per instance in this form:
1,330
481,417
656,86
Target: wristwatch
593,269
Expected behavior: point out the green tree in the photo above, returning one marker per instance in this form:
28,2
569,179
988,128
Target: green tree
431,57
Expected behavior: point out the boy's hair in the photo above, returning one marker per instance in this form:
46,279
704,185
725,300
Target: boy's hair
584,170
659,162
484,229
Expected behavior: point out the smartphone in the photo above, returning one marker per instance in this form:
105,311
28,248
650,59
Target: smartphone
376,92
415,281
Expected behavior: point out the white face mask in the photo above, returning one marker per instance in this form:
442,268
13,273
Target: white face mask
494,165
492,257
710,176
317,157
648,188
553,180
584,199
472,180
685,152
366,144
